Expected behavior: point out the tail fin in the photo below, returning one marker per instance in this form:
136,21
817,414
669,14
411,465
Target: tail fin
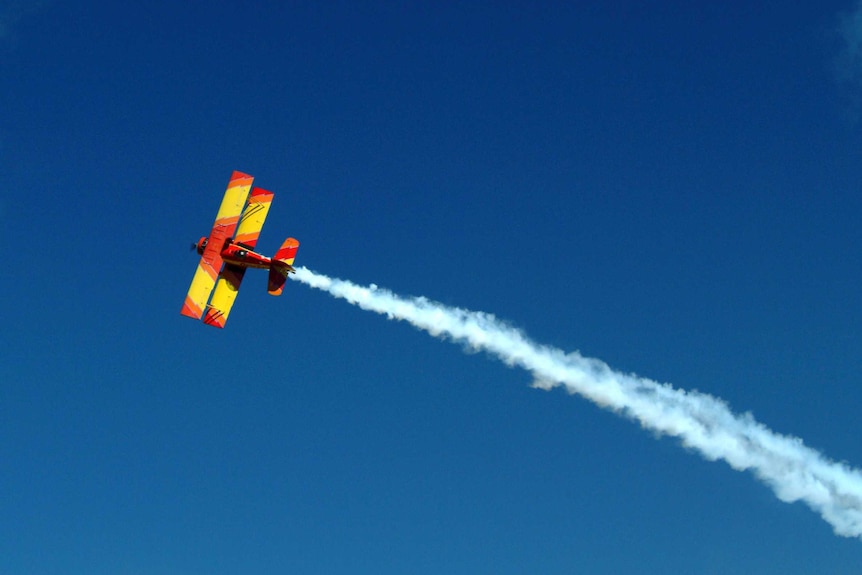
282,264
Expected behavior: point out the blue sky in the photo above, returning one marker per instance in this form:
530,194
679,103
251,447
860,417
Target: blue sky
673,190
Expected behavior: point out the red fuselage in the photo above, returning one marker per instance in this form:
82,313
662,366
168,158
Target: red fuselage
238,254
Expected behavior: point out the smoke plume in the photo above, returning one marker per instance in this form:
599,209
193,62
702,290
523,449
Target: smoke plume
700,421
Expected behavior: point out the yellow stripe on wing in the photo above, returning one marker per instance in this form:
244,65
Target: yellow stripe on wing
233,201
253,217
199,291
224,295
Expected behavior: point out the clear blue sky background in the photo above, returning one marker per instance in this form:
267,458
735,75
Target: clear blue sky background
674,189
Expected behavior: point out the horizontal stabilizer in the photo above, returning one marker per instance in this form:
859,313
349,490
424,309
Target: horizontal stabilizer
282,264
287,252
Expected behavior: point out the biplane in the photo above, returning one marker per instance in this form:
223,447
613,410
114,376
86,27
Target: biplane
228,252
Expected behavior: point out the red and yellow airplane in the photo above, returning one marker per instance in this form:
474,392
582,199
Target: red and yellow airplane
229,250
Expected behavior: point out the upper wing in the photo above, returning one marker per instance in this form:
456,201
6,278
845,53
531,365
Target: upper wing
210,264
233,202
231,276
253,217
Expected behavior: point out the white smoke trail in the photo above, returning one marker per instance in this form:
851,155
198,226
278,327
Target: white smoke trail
701,422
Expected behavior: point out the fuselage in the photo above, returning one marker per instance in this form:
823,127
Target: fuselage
238,254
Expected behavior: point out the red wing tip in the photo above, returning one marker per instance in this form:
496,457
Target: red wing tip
260,193
191,311
214,318
239,179
214,321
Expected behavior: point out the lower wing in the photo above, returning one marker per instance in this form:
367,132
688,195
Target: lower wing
225,293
